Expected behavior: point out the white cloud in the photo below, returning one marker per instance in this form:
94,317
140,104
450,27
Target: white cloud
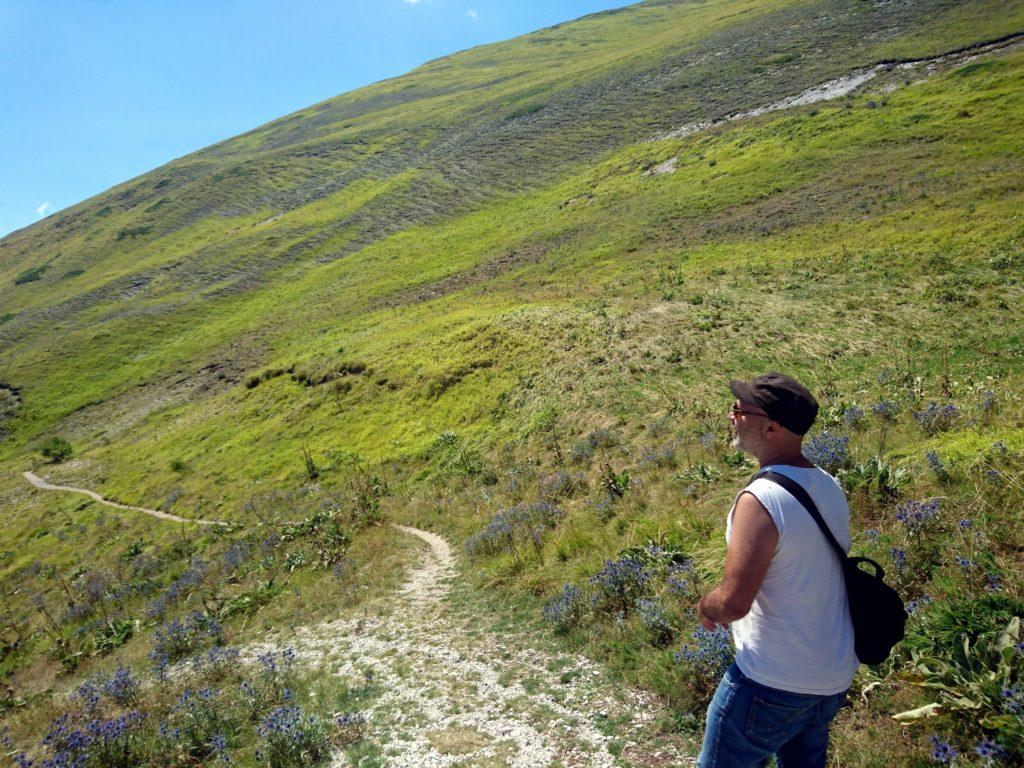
472,14
43,209
411,2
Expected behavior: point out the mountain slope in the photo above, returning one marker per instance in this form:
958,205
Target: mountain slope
486,291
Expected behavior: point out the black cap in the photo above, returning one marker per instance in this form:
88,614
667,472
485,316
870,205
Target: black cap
782,397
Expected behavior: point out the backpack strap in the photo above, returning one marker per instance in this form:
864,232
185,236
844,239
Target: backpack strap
800,494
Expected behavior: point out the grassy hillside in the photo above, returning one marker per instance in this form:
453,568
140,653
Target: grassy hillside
464,291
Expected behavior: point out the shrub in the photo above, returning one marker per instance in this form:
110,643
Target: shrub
56,449
31,275
177,639
854,417
708,652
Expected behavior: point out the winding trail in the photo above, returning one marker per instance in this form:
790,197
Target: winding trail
443,686
38,482
444,682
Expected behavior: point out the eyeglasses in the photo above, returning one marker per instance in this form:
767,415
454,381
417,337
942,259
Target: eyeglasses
737,411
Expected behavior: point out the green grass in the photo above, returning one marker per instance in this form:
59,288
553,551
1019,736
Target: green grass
476,249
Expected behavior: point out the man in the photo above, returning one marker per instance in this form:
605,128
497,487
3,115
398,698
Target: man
782,594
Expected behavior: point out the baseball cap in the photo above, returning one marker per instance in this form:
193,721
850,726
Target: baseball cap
782,397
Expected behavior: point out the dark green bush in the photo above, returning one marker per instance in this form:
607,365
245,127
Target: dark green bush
56,449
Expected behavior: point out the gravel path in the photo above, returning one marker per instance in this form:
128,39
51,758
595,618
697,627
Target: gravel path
38,482
450,691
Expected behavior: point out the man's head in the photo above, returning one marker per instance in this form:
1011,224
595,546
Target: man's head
771,414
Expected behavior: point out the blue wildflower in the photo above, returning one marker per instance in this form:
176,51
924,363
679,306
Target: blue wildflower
886,410
915,514
566,609
828,451
709,651
942,751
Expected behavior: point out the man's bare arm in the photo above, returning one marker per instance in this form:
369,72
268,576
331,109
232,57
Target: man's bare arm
751,548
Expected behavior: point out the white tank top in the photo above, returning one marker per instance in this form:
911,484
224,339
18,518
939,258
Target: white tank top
798,636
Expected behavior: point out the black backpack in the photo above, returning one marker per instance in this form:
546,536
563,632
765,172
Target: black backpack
878,616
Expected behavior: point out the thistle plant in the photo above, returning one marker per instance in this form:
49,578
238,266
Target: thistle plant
567,609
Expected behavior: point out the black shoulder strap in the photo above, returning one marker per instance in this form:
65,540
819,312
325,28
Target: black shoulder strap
800,494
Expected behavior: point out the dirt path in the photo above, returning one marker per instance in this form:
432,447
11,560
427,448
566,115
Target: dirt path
441,685
38,482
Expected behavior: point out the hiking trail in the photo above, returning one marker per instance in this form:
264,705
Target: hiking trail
38,482
448,688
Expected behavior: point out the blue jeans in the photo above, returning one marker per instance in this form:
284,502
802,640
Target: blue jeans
749,722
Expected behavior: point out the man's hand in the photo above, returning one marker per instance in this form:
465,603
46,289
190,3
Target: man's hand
705,620
751,549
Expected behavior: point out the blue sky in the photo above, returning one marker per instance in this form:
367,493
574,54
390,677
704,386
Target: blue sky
94,92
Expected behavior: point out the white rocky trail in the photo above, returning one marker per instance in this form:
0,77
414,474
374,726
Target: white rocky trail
452,691
42,484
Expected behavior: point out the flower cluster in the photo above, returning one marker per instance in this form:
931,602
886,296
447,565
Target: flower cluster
709,651
236,555
935,465
854,417
1013,699
678,574
988,402
563,483
935,418
942,751
582,450
523,522
619,584
179,638
899,558
915,514
991,751
659,455
292,738
655,620
886,410
111,742
916,605
829,451
565,610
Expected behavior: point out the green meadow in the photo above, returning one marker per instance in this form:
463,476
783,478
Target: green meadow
467,291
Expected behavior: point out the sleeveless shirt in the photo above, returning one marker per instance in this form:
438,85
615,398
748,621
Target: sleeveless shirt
798,635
